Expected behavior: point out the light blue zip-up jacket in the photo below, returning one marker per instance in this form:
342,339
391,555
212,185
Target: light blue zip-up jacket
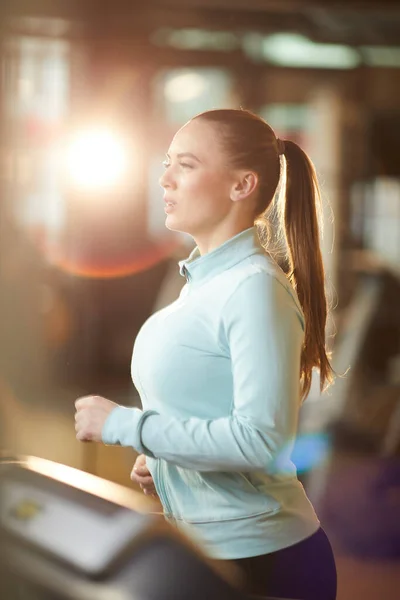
218,376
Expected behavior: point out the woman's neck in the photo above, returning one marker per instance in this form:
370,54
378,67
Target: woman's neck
206,242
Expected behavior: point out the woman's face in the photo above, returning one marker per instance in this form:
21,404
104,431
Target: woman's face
197,181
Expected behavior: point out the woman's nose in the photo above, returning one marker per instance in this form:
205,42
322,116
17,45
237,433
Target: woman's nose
166,180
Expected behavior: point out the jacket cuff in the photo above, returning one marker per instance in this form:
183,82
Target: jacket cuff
123,427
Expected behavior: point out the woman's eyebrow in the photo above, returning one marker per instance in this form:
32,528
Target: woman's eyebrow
185,155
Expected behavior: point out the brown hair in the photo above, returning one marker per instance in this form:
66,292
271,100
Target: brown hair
252,144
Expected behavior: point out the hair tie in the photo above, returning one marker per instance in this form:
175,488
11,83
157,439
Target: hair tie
281,146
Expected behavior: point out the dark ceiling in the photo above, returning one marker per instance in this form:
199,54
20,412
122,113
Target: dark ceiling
354,23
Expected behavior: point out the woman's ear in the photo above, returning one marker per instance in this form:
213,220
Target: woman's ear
244,185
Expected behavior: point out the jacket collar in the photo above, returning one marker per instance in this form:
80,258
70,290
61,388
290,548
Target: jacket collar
198,269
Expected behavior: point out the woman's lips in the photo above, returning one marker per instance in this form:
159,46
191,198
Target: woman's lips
169,206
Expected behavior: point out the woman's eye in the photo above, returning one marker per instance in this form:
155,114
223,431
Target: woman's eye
166,165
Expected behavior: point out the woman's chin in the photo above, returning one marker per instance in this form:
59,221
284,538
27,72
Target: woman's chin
172,223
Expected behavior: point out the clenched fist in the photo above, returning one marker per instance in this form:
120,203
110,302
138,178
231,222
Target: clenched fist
91,414
140,474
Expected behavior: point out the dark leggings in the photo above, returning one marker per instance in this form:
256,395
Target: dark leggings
304,571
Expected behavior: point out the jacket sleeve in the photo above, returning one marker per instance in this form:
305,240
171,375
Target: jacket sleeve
262,330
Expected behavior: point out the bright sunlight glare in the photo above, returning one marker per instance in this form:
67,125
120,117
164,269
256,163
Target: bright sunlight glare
96,159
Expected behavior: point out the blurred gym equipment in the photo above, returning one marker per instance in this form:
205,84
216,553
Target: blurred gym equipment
66,534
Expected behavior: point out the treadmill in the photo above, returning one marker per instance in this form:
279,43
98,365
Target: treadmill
69,535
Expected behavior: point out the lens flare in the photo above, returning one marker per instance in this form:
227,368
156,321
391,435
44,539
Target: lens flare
108,267
96,159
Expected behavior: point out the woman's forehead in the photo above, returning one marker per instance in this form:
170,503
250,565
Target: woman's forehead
195,137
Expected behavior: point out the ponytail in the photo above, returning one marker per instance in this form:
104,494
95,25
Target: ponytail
250,143
300,212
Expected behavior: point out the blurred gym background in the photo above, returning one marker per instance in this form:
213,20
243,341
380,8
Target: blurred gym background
91,93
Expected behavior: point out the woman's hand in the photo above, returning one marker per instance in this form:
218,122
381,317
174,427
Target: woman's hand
91,414
140,474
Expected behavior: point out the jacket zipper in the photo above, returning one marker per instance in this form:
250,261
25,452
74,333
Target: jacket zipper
186,274
164,500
